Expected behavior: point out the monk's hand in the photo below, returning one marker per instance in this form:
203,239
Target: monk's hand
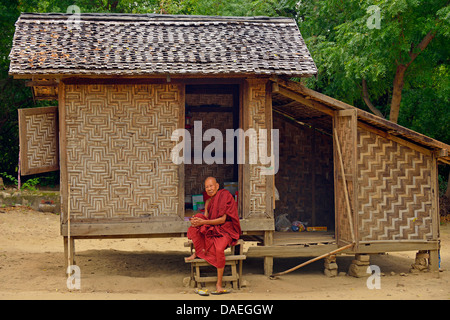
196,222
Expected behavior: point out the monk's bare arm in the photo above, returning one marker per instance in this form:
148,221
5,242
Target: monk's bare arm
206,207
217,221
196,222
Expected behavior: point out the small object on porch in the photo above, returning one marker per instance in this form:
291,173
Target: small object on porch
299,226
282,223
316,229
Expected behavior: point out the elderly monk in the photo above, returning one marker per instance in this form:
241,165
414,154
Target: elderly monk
216,230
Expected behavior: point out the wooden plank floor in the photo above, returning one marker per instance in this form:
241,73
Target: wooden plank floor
296,244
303,238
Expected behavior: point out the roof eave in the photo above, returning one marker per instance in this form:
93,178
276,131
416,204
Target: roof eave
440,150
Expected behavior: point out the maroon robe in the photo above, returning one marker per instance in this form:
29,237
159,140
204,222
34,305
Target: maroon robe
210,241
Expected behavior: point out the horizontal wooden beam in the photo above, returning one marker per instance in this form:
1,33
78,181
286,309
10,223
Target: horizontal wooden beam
307,102
396,245
41,83
129,228
290,251
298,87
208,108
142,228
261,224
228,258
442,153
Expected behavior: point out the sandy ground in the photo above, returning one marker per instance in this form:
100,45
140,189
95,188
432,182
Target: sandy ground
32,267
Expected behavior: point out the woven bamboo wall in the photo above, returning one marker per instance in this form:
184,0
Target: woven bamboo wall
195,174
118,150
257,116
203,99
304,152
394,193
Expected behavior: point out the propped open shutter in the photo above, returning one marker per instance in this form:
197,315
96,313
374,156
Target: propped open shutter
39,140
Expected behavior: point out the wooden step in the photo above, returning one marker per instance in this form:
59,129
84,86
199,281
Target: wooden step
227,258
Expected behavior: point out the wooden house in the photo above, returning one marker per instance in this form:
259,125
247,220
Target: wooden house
124,83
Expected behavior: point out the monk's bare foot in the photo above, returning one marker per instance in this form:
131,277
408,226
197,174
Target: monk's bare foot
219,288
192,257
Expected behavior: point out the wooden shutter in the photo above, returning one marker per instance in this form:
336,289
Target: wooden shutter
38,139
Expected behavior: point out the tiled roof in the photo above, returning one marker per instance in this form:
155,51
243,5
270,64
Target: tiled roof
126,44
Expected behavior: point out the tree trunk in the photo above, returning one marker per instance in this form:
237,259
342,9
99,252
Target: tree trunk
367,100
399,81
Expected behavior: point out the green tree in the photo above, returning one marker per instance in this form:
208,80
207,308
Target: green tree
362,63
398,69
13,93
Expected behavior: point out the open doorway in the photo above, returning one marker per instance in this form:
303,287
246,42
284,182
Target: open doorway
305,180
213,106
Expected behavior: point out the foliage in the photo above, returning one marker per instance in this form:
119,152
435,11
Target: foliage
10,177
30,184
346,50
442,185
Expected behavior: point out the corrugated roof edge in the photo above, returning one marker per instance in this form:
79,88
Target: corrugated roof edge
153,17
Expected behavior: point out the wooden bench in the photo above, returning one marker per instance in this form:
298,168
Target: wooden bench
234,259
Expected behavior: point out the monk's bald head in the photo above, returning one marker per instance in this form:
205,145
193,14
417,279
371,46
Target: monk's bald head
211,186
211,179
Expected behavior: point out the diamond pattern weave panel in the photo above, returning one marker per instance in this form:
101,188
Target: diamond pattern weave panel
394,194
38,140
257,116
118,150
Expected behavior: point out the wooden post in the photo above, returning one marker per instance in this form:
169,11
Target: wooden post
69,243
69,252
181,170
433,261
313,177
268,260
347,199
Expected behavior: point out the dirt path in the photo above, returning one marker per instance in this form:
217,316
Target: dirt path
32,260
